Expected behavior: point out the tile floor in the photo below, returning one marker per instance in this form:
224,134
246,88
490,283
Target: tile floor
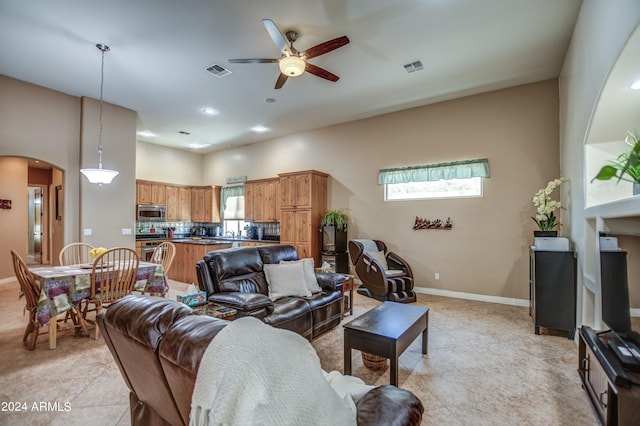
485,367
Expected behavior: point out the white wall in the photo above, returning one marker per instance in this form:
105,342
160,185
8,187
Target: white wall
601,31
486,253
163,164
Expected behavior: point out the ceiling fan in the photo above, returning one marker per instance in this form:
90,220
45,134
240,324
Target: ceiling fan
293,63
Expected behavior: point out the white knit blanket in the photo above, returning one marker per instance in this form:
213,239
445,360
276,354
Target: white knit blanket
368,246
256,374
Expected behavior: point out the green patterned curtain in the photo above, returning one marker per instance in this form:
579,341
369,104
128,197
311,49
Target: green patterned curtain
232,202
434,172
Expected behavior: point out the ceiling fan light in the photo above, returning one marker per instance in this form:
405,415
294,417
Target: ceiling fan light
292,66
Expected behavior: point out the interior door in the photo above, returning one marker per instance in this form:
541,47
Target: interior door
34,255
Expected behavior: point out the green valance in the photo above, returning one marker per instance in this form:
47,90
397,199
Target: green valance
232,202
434,172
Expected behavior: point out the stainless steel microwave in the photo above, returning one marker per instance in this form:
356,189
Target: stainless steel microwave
149,213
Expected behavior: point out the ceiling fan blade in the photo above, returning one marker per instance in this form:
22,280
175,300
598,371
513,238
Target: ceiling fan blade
253,61
320,72
282,78
327,46
276,35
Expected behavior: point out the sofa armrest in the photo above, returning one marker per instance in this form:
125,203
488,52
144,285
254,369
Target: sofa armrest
329,280
396,262
244,303
386,405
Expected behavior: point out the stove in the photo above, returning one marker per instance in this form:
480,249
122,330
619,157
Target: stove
152,236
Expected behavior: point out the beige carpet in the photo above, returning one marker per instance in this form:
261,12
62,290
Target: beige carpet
485,367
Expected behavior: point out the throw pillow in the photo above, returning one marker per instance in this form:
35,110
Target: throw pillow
285,279
379,256
310,279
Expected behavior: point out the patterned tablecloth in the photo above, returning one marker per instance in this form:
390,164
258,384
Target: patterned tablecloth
65,286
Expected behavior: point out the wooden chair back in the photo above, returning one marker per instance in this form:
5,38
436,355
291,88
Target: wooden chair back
75,253
163,254
114,274
28,285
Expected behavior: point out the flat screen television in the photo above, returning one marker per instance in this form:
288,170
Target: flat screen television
615,291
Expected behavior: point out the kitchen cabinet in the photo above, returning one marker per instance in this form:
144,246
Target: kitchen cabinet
150,193
261,201
303,202
178,204
173,203
200,198
185,204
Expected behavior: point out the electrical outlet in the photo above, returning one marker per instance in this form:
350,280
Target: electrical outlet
126,231
437,276
87,232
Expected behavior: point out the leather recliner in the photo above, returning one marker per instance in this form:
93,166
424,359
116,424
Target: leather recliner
158,343
235,278
394,283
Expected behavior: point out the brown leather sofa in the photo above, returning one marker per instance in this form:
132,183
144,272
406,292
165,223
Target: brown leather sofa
158,343
235,278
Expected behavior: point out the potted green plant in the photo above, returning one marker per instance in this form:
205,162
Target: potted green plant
337,218
626,166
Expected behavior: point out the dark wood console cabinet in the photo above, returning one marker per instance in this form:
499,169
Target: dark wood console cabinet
552,290
614,392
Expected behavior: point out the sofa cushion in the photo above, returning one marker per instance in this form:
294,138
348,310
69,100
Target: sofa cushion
310,280
292,313
286,279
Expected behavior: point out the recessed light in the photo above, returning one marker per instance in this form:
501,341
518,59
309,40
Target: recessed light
269,100
635,85
259,129
209,111
199,145
182,132
147,134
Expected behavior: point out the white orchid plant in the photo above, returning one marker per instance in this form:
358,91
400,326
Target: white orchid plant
545,216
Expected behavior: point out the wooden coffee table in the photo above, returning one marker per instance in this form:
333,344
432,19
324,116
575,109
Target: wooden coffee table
386,330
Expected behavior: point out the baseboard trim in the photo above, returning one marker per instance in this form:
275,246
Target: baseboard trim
472,296
7,280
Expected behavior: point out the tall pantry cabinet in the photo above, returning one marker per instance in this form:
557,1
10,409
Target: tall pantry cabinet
303,202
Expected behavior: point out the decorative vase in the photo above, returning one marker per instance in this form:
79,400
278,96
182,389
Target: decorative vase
636,188
545,233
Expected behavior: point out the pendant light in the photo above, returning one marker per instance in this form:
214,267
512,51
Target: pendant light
100,176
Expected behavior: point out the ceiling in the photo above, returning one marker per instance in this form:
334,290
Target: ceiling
160,50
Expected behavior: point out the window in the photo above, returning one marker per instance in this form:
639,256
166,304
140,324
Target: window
452,188
444,180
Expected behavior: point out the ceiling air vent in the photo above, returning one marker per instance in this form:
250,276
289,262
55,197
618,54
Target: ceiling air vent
218,70
413,66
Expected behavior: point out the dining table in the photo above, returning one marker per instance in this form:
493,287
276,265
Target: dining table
63,287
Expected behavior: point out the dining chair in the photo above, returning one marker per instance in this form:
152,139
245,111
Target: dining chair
75,253
113,276
31,292
163,254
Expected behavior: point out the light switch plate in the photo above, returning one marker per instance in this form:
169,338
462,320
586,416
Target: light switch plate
87,232
126,231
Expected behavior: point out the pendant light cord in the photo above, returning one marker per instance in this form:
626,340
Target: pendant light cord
103,48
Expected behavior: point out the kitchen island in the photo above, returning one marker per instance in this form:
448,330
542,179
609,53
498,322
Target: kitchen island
188,252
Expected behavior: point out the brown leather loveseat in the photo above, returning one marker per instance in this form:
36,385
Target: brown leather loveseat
158,344
235,278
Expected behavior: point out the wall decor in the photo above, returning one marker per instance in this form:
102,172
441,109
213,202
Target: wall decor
5,204
422,223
